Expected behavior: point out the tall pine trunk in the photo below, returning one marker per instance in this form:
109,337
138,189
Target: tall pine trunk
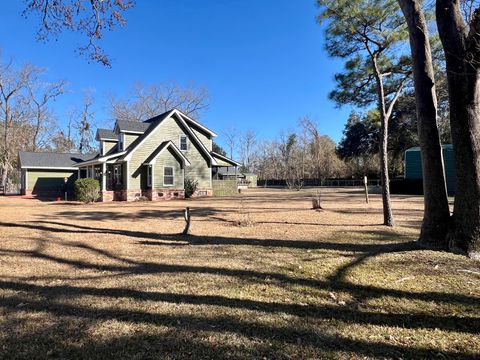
384,119
462,55
387,206
436,210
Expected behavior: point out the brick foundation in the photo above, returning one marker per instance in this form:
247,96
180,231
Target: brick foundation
151,194
165,194
107,196
131,195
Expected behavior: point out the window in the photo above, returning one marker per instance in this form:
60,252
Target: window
149,175
183,142
121,141
168,176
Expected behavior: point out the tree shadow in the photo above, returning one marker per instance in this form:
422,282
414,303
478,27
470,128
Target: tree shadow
188,330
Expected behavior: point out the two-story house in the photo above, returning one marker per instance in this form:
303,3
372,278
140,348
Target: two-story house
150,159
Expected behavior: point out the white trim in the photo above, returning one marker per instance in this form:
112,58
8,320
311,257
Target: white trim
104,177
170,143
198,124
26,180
48,167
108,139
191,133
129,156
100,160
173,175
224,158
131,132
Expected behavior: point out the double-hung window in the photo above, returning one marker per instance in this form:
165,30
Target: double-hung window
168,176
183,142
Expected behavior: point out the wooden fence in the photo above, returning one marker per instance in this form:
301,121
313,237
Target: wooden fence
224,187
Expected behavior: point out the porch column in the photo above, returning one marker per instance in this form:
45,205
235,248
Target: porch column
104,176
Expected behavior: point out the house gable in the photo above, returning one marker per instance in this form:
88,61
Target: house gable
169,128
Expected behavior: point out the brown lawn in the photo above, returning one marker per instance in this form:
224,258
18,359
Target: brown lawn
117,281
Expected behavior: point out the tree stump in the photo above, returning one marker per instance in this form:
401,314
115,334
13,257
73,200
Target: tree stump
186,231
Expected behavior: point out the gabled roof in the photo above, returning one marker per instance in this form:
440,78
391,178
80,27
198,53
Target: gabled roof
105,134
155,123
163,146
224,158
187,118
34,160
131,126
101,159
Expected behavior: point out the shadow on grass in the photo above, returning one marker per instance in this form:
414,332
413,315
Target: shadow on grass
164,239
188,330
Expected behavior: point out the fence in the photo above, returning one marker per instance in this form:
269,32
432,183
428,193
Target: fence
224,187
327,182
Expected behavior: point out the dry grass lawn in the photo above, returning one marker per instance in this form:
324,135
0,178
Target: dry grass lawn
118,281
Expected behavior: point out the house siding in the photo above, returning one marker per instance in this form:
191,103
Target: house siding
107,146
166,158
204,139
169,129
48,182
129,138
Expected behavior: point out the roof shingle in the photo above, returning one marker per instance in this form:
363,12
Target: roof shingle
134,126
105,134
51,160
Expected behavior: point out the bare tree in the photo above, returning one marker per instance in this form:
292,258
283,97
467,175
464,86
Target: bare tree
63,140
248,141
231,138
12,111
84,126
145,102
89,18
41,94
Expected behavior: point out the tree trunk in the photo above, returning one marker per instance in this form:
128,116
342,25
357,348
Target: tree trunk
436,216
387,206
462,59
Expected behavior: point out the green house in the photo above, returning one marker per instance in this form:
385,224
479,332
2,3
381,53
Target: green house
136,160
413,166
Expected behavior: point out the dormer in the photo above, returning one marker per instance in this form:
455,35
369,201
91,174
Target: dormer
127,132
107,140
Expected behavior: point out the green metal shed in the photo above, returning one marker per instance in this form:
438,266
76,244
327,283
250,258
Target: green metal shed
413,165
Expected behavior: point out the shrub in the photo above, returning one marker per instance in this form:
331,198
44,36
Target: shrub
87,190
190,187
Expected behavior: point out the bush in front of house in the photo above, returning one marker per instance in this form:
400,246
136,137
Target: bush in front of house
87,190
190,187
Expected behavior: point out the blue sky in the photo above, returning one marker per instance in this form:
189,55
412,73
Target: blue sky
262,62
